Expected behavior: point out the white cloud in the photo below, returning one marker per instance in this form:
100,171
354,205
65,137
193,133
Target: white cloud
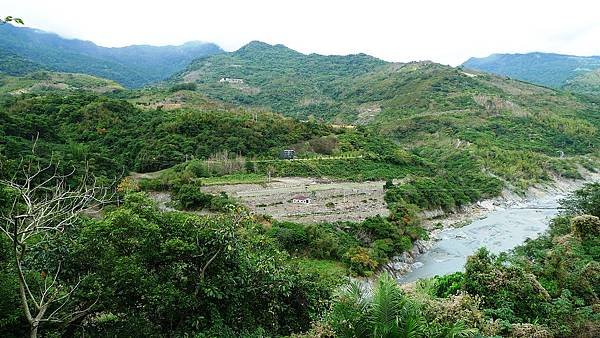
443,31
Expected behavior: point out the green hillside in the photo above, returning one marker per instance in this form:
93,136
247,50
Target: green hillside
12,64
441,138
281,79
25,49
547,69
46,82
587,83
512,129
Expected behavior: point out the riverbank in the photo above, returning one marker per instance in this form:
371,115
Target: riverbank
499,224
436,220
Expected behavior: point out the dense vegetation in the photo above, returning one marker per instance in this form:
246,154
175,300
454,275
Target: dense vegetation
43,82
25,49
440,138
113,136
157,265
548,287
518,132
150,273
358,88
552,70
13,64
280,78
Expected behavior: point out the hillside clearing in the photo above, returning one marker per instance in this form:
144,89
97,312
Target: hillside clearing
330,201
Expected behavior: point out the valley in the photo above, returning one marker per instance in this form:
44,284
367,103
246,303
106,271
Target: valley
328,201
190,191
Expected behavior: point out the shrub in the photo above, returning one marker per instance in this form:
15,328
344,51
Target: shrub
198,168
290,236
128,184
323,242
585,226
447,285
222,202
184,86
529,331
584,201
190,197
359,261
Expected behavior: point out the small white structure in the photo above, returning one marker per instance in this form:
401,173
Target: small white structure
301,199
231,80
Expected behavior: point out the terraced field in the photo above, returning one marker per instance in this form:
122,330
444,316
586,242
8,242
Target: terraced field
330,201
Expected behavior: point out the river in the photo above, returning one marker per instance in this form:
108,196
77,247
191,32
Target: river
500,230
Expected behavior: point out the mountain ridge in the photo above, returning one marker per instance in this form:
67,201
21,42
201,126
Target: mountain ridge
132,66
549,69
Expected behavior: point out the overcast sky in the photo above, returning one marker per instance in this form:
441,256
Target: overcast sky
447,31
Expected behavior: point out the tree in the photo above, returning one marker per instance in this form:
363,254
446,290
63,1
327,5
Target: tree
583,201
11,19
385,312
42,203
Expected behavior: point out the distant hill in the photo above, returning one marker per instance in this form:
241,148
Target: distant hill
281,79
24,49
41,82
12,64
360,89
552,70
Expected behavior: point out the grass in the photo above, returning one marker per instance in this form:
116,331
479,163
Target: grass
334,272
241,178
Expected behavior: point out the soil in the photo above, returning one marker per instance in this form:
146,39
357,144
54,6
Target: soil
330,201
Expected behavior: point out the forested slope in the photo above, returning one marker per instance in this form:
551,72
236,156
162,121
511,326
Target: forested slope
25,49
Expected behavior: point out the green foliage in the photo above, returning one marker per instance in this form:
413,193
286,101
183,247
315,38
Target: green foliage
12,320
507,290
551,281
447,285
459,182
10,18
280,78
132,66
13,64
183,86
363,247
156,274
388,313
123,137
586,226
586,83
584,201
553,70
191,197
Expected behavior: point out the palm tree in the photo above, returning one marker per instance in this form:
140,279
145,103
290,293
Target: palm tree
382,312
385,312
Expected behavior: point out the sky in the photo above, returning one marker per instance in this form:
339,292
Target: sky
448,31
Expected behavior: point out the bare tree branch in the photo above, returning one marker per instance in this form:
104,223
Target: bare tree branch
45,204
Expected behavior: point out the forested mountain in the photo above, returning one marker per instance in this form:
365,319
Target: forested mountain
360,89
420,104
39,82
262,75
24,49
13,64
574,73
442,138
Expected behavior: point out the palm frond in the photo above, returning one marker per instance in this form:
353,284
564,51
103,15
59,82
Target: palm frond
386,307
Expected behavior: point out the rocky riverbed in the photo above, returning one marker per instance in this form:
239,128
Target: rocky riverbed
498,224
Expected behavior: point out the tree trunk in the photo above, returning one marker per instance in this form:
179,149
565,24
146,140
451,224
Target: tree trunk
34,330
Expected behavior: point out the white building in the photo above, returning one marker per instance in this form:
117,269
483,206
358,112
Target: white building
231,80
301,199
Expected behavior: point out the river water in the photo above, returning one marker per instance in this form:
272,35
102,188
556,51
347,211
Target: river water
501,230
